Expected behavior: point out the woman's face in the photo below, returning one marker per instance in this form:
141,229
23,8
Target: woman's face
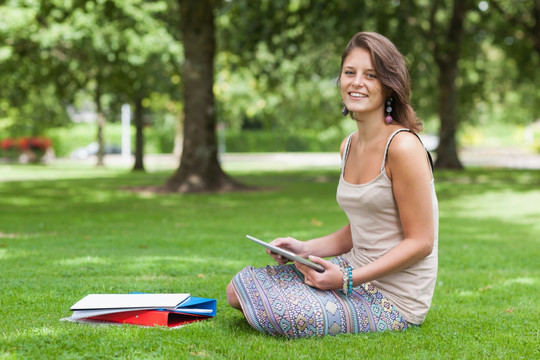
361,91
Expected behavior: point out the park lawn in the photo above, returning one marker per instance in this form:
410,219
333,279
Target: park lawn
65,233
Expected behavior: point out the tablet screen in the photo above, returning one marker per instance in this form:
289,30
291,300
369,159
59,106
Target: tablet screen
289,255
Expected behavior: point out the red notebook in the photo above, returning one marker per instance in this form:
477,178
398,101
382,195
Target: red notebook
150,318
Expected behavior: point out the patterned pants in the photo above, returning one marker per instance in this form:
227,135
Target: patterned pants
276,301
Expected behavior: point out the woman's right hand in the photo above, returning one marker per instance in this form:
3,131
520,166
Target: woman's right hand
287,243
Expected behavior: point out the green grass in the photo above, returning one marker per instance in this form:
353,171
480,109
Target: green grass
66,232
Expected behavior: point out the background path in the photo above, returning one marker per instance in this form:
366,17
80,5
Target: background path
513,158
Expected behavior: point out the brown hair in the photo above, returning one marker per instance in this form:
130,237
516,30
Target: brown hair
391,69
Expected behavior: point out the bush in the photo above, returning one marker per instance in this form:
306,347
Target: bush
67,139
274,141
160,140
33,148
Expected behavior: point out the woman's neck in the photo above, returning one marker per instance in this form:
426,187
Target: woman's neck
371,129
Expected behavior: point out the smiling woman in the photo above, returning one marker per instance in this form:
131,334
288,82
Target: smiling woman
382,69
361,90
384,261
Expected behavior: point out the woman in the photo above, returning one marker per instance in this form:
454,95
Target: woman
384,266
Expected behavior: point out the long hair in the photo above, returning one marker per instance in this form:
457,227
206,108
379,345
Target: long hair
391,69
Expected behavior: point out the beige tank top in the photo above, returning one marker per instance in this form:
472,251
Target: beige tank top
376,228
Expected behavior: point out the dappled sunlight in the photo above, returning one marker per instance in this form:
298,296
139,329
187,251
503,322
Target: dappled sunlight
529,282
469,293
60,196
521,207
522,281
148,267
193,265
11,173
24,334
455,185
7,236
81,236
85,260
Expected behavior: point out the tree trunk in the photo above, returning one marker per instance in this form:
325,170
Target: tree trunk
100,126
535,29
447,157
139,137
199,168
447,56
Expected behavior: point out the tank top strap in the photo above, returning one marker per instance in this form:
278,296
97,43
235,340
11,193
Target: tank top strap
390,140
346,153
388,145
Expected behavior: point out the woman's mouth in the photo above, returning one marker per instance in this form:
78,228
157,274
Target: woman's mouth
357,95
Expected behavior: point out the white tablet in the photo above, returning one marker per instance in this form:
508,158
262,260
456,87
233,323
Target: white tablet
289,255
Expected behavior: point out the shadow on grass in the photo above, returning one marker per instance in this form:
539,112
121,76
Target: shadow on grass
61,239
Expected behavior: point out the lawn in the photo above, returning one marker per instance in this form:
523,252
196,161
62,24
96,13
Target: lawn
66,232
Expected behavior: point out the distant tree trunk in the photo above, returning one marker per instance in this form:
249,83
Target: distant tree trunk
139,136
446,56
100,126
447,157
534,30
199,168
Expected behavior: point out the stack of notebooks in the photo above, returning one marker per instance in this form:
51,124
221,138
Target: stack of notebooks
171,310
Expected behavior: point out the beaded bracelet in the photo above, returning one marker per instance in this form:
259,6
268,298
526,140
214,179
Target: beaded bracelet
345,280
350,281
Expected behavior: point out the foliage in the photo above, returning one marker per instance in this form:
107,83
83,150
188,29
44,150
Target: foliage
280,71
507,63
276,66
110,50
159,137
74,231
275,141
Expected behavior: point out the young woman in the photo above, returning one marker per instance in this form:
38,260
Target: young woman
384,261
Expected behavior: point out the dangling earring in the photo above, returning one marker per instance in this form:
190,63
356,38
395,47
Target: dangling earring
388,119
344,111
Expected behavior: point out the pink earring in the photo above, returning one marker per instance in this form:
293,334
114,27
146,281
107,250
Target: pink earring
388,119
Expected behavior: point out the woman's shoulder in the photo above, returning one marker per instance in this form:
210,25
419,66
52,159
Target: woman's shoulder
405,141
407,153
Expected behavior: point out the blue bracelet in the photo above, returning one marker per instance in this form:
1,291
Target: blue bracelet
350,285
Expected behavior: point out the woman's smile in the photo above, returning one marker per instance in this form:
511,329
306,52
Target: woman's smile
360,87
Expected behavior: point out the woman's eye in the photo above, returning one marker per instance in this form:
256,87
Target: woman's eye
371,76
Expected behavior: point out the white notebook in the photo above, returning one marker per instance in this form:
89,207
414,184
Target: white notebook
129,301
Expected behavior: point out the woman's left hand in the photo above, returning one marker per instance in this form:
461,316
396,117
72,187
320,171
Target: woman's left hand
330,279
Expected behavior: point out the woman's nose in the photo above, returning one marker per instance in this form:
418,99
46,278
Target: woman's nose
358,81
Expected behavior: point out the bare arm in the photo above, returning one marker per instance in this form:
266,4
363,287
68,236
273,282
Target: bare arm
334,244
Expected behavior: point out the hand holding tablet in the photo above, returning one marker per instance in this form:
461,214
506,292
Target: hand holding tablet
289,255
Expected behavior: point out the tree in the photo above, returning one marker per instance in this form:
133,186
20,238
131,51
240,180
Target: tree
199,168
279,40
447,53
444,32
116,51
28,96
525,17
517,84
283,57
